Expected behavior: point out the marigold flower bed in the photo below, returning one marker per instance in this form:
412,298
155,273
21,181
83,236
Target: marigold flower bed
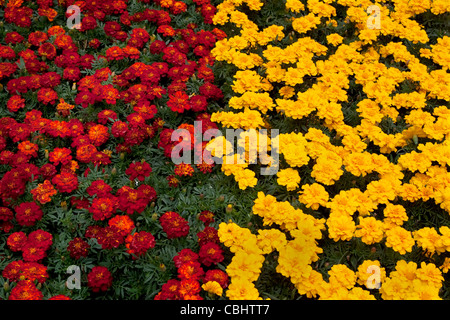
93,205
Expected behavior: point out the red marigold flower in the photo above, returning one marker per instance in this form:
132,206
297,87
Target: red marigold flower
216,275
166,30
123,223
145,109
210,253
34,271
173,181
98,134
139,242
60,155
148,192
93,231
85,152
27,213
28,148
184,169
103,208
114,53
119,129
198,103
15,103
178,7
131,200
78,248
205,167
99,279
16,241
25,290
131,52
185,255
209,234
109,93
206,217
174,225
157,46
48,171
99,188
32,253
189,287
6,214
41,239
110,237
169,291
13,271
47,50
84,98
65,182
72,73
43,192
47,96
210,91
106,116
13,38
138,170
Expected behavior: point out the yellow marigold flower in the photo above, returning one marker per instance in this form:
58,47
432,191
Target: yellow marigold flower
399,239
381,191
230,233
334,39
289,178
370,269
429,239
445,265
213,287
430,274
270,239
313,196
245,178
370,230
245,266
286,92
342,276
394,289
294,5
340,227
357,293
422,291
395,214
242,289
264,204
445,237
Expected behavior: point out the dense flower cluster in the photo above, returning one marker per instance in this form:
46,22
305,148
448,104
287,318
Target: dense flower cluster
83,107
195,268
369,144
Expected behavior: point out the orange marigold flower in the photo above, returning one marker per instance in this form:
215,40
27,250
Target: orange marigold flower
55,31
25,290
131,52
60,155
48,12
43,192
28,148
98,134
65,182
123,223
184,169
